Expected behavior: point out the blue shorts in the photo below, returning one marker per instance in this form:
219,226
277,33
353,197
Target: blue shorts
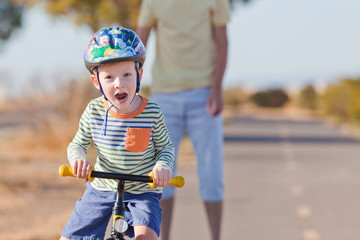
185,112
93,211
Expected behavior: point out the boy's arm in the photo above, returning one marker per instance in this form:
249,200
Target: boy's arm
165,150
78,148
165,153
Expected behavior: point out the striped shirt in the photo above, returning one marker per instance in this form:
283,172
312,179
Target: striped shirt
134,143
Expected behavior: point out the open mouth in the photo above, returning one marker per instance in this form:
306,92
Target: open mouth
121,97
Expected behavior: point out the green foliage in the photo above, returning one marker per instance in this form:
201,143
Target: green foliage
342,100
270,98
97,13
94,13
10,18
308,97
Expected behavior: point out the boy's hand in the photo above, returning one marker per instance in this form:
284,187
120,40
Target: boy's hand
162,177
82,168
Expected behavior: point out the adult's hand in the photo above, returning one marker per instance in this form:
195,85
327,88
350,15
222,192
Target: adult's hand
215,103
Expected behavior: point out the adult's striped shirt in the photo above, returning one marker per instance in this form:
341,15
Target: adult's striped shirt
134,143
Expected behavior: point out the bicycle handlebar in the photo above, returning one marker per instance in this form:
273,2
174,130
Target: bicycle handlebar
66,171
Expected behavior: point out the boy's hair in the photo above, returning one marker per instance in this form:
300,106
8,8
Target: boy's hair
114,44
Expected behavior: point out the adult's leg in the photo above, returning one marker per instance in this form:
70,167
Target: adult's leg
206,133
173,110
167,206
214,214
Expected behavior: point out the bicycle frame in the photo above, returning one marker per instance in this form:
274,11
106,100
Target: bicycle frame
119,225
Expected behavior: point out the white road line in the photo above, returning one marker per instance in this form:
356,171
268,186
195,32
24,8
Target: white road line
303,211
311,234
297,190
287,148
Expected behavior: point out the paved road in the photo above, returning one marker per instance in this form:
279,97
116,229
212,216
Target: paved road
285,180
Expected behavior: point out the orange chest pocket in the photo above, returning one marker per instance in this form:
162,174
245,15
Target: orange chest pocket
137,139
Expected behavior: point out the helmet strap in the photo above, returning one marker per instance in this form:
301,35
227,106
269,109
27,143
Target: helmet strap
104,125
98,79
137,81
137,77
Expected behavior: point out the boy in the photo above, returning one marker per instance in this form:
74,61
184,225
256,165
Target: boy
129,135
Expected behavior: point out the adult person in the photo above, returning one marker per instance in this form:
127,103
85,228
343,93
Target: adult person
191,56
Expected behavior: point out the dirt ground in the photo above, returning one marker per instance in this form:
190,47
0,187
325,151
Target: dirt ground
35,200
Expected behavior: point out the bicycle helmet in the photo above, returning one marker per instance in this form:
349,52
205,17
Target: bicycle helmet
114,44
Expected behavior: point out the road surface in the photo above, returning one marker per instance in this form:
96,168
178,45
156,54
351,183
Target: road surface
284,180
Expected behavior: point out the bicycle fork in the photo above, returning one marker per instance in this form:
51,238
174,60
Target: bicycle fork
119,225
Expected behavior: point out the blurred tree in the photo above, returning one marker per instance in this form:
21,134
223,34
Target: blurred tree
97,13
270,98
308,97
10,18
342,100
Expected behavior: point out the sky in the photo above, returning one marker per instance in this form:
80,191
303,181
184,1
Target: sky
272,44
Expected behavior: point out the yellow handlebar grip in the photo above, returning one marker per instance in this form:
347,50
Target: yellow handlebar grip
178,181
66,171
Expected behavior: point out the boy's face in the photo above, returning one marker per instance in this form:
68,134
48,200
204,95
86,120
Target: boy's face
118,81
